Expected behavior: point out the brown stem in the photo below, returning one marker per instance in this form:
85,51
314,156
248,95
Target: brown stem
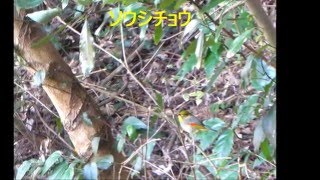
262,20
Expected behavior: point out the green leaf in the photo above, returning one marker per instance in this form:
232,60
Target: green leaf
230,172
59,170
206,138
86,119
35,173
199,49
137,165
148,148
266,149
90,171
245,113
212,4
165,3
245,21
199,159
159,101
23,168
64,3
157,34
27,4
121,140
44,16
84,2
178,4
69,173
135,8
190,49
246,71
199,175
258,161
143,31
224,144
218,30
132,132
105,162
212,59
52,159
198,95
135,122
191,28
188,66
128,2
87,52
146,151
258,136
269,126
104,2
237,43
261,74
95,144
59,125
39,77
215,124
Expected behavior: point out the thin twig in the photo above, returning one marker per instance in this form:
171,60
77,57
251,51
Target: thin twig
160,169
129,71
150,58
37,100
137,151
96,45
51,130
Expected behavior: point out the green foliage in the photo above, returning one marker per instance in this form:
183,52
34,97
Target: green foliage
237,43
261,74
230,172
224,144
23,169
90,171
27,4
206,138
198,95
188,66
266,128
130,127
44,16
52,159
211,4
146,152
55,166
215,124
158,33
120,142
59,170
64,3
105,162
160,102
87,52
84,2
204,48
212,59
246,111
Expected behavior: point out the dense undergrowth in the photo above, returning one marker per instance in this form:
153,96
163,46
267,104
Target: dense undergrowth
219,66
